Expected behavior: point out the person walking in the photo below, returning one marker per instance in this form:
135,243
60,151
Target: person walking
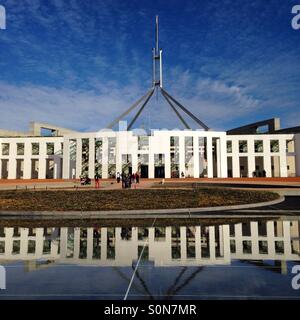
97,180
129,180
137,177
118,177
123,180
134,180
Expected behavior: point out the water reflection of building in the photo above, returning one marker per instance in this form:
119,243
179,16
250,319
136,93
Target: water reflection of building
163,246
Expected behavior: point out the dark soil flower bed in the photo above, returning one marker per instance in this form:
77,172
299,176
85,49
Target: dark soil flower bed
99,200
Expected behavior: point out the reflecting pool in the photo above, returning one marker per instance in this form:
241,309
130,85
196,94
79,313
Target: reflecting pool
151,259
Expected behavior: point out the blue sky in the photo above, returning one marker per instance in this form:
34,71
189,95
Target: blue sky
81,63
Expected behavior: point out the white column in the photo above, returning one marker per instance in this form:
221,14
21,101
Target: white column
267,157
198,242
59,168
91,158
181,155
8,243
251,165
78,157
76,242
151,243
27,160
287,238
183,243
57,160
39,242
218,153
235,159
151,165
267,165
283,160
251,158
223,157
238,238
12,163
212,243
221,240
66,159
42,160
90,240
168,164
63,242
168,243
196,156
226,242
119,154
103,244
134,156
105,158
54,242
24,242
254,237
209,158
270,237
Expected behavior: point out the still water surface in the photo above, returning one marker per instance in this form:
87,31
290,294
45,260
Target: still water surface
241,258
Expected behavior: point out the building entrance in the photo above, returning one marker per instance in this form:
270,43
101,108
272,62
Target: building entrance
160,172
144,171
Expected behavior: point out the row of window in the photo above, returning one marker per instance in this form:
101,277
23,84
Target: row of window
262,247
247,247
31,247
35,149
143,143
258,146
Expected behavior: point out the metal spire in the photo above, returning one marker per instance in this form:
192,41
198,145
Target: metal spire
157,85
156,35
157,59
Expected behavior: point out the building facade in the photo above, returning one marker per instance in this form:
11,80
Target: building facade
162,246
162,154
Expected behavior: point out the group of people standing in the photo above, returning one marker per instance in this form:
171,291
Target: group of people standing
128,180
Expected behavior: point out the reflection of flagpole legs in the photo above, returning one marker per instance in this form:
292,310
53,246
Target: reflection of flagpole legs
143,283
123,276
186,282
176,280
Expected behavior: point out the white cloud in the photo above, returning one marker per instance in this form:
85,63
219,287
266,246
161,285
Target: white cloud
214,102
69,108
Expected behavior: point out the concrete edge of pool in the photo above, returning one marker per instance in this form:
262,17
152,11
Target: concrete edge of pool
158,213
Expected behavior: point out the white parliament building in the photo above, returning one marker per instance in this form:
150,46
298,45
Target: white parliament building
162,154
260,149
